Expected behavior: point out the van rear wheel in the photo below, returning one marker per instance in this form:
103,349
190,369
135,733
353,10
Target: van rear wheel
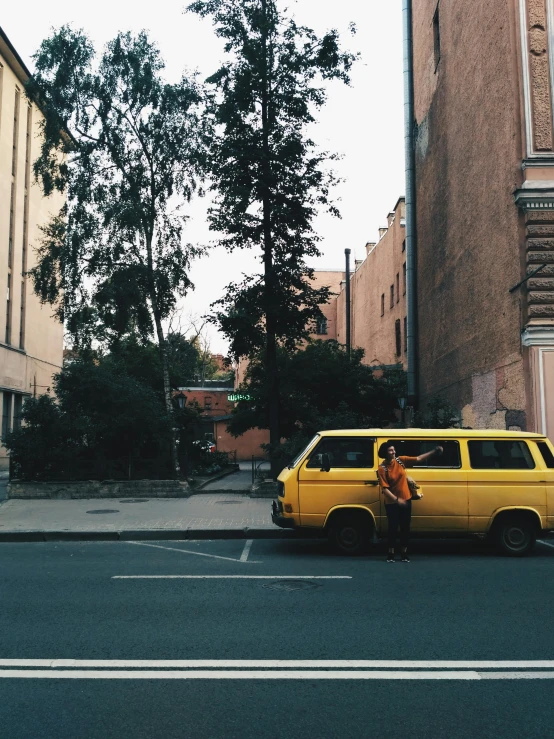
350,534
514,536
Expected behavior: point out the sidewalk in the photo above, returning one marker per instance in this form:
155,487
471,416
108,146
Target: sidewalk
202,516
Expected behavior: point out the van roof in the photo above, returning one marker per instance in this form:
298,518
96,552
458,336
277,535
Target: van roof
434,433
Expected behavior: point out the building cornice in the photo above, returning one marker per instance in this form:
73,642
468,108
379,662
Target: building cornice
542,336
535,195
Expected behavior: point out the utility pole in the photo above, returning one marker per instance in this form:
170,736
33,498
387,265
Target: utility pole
348,336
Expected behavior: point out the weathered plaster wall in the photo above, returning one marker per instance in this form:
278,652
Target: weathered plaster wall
469,232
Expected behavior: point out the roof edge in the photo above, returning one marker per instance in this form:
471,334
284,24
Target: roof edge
7,49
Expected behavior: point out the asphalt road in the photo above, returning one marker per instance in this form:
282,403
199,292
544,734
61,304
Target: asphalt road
455,601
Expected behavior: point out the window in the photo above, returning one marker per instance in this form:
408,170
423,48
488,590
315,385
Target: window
500,455
404,279
344,453
405,334
383,304
398,337
17,406
404,245
398,287
6,413
437,36
392,296
546,454
321,326
207,403
450,458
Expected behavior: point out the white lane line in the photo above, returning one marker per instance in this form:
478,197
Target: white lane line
282,663
546,543
239,675
246,550
184,551
516,675
271,675
231,577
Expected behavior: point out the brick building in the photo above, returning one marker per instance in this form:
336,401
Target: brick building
378,296
484,171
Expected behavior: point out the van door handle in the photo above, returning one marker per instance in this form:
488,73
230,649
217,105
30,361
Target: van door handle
371,482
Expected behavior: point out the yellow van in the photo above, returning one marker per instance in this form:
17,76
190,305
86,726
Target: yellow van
494,483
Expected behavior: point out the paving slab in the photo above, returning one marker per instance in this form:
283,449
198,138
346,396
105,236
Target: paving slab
207,515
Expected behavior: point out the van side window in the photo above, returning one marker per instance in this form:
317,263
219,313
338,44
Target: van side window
344,453
414,447
500,455
546,454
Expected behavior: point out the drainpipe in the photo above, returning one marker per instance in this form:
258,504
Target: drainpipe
347,286
411,276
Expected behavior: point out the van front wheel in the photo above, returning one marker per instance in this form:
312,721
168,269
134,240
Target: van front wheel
515,536
350,534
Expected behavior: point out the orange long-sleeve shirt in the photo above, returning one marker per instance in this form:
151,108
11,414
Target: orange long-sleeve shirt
393,476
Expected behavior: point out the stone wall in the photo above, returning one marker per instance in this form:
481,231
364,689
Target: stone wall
99,489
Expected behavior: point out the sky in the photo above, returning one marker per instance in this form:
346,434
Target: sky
363,122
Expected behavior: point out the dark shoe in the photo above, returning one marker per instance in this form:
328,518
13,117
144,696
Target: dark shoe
405,558
390,557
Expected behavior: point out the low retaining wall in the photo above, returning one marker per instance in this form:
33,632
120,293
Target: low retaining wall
99,489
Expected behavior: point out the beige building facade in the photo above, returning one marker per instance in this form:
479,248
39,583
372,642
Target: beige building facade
31,340
484,110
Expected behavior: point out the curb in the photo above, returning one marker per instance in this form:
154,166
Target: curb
152,535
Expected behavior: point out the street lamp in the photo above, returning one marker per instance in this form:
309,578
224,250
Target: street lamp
181,400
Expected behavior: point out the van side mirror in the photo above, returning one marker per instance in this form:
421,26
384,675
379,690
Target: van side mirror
325,463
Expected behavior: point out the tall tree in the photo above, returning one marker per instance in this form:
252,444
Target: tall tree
269,175
127,148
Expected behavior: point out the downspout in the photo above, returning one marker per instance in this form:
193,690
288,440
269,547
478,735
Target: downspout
348,307
411,246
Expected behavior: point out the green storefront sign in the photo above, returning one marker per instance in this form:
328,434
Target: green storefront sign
235,397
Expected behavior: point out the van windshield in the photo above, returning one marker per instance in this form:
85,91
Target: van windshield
298,457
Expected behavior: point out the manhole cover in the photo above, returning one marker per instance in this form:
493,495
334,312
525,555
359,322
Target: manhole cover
228,502
134,500
104,510
289,585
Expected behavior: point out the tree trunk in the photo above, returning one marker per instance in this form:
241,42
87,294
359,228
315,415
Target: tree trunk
167,395
165,362
272,371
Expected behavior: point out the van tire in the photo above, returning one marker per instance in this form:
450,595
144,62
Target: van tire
514,535
350,533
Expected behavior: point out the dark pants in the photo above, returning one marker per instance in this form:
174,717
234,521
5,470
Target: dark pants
399,516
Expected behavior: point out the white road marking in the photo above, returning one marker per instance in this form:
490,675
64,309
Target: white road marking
184,551
283,663
246,550
231,577
271,675
234,675
546,543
